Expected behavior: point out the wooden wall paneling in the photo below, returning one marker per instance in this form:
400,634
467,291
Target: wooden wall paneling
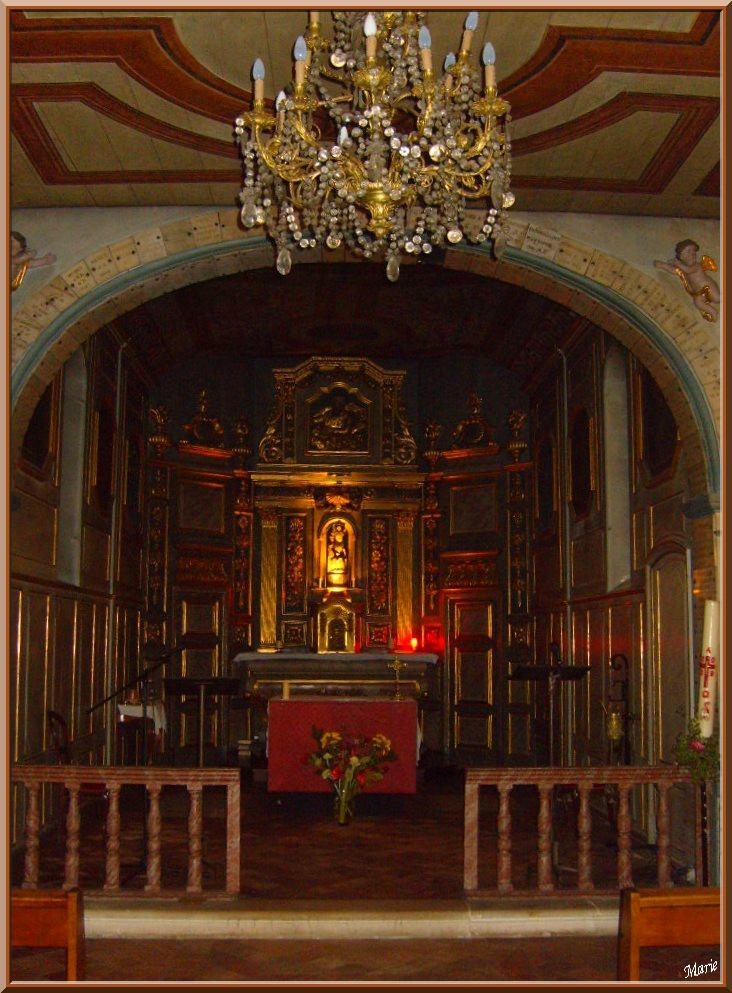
131,490
95,564
592,689
34,661
476,685
34,531
200,621
34,522
16,640
669,674
567,721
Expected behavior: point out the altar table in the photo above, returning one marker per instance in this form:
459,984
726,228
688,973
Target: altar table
290,739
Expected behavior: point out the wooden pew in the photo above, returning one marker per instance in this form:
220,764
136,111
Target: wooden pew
50,919
658,918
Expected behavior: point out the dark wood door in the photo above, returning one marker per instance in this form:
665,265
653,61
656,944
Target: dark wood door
476,683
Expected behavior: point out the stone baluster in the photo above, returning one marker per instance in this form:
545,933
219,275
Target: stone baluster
662,839
625,874
544,828
32,827
111,880
584,840
504,838
195,842
73,823
470,840
233,838
153,839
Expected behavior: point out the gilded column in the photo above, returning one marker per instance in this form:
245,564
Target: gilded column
431,517
242,595
268,582
158,510
405,576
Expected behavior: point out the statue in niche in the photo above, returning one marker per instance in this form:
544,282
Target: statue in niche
693,275
336,550
340,425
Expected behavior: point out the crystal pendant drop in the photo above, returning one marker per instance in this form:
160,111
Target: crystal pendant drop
333,241
392,269
284,261
454,235
509,199
249,214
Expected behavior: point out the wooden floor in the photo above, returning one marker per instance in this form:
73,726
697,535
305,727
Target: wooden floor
396,848
566,959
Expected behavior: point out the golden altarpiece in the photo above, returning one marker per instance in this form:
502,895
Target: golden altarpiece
337,553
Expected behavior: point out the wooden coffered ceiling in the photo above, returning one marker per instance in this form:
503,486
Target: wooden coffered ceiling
615,111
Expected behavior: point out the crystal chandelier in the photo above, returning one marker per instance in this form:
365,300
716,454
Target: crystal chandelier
368,147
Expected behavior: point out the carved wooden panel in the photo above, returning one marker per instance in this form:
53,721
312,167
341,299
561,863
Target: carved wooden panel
378,634
476,687
473,509
294,570
461,570
379,572
201,506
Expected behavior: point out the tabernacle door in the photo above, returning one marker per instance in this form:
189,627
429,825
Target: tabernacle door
476,686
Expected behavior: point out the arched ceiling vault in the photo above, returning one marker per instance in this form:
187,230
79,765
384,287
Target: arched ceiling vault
466,301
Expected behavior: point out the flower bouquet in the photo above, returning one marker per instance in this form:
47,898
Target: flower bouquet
351,762
700,755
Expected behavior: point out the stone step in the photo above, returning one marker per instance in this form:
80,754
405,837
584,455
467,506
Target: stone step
125,917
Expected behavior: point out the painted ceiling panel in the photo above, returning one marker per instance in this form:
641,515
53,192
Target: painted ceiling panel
594,94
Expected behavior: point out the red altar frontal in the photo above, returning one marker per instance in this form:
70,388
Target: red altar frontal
290,738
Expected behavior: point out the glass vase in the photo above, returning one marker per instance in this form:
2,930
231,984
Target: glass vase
343,805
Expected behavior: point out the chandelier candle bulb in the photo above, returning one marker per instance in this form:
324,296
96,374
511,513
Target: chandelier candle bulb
489,67
425,52
280,108
300,52
258,77
369,30
449,62
471,23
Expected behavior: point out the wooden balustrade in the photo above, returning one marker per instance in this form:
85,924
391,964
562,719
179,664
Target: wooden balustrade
32,777
621,779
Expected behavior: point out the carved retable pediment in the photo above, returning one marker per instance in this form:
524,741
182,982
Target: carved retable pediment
348,410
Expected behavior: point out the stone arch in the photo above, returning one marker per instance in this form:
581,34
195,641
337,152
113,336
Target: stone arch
666,343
